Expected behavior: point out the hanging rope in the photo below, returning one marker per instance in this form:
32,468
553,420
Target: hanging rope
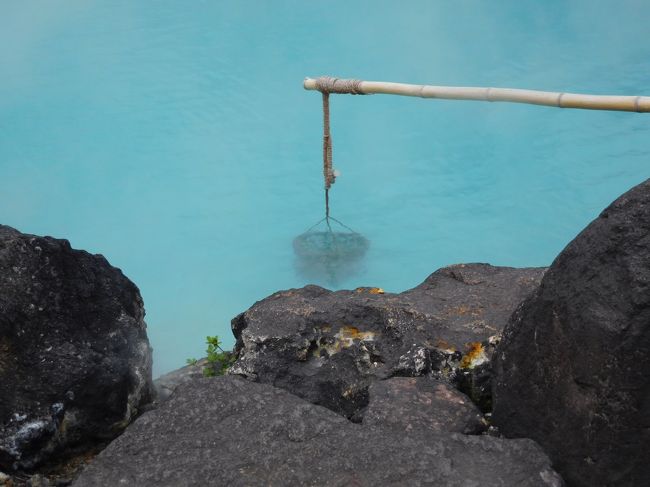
327,85
328,172
331,251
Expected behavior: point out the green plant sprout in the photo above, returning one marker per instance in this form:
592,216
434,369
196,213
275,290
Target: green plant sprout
218,359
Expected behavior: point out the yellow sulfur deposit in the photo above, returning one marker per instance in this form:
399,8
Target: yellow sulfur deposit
475,356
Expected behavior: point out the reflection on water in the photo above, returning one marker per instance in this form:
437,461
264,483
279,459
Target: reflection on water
327,256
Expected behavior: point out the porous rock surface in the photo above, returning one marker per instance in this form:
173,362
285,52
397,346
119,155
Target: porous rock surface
230,431
572,370
328,347
421,403
75,361
166,384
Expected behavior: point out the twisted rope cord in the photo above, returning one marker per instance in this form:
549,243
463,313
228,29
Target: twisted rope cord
327,85
328,172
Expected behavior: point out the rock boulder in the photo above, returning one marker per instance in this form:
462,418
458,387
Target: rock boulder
573,368
232,432
421,403
75,361
328,347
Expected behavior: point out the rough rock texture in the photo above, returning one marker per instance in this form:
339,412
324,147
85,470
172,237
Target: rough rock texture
232,432
75,361
327,347
421,403
166,384
573,366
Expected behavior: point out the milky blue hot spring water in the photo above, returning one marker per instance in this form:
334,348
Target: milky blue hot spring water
175,138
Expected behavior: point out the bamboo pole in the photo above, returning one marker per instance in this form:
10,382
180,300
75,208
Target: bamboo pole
552,99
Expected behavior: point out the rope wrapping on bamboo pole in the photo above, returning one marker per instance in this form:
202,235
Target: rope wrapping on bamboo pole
640,104
327,84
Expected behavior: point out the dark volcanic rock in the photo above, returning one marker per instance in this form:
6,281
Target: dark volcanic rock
166,384
75,362
573,366
327,347
232,432
421,403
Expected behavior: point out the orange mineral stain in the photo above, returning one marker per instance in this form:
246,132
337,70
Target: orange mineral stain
370,290
475,356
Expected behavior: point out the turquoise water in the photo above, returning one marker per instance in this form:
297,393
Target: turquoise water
175,138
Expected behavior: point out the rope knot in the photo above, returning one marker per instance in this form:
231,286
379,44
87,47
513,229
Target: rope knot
327,84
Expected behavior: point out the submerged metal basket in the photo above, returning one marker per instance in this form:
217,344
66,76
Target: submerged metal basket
330,245
329,256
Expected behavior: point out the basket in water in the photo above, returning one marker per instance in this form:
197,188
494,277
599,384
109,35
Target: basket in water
332,245
327,256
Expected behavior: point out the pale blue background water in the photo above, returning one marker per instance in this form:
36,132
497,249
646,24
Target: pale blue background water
175,138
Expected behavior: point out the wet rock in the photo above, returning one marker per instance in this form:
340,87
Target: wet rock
75,362
230,431
327,347
423,404
572,369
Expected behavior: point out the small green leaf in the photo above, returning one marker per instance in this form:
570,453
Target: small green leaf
218,359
